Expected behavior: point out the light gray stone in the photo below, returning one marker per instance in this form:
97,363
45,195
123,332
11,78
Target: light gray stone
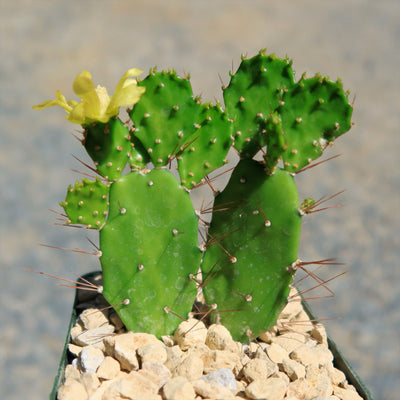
90,358
221,377
156,372
271,389
124,348
319,383
132,386
72,390
318,355
178,388
174,357
191,367
108,369
276,353
207,390
154,352
258,369
298,388
94,337
219,338
346,393
90,381
216,359
293,369
190,333
93,318
71,372
289,341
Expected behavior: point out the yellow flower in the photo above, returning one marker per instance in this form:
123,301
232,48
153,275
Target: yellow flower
96,104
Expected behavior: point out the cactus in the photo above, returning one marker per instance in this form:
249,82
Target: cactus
148,228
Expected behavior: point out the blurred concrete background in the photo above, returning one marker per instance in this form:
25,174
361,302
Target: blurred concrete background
44,44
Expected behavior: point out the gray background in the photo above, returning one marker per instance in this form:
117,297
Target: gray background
44,44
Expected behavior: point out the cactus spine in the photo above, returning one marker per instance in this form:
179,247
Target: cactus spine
147,225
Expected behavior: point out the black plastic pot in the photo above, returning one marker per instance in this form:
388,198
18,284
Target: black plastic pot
339,360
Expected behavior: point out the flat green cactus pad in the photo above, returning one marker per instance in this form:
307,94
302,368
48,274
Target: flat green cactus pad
149,247
313,114
209,147
166,115
109,146
86,203
255,90
248,280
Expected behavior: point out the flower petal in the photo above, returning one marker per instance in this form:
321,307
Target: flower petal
83,83
127,93
61,102
77,114
127,74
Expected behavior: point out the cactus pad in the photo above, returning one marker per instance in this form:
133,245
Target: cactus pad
109,146
208,149
255,90
86,203
149,248
166,115
251,284
313,114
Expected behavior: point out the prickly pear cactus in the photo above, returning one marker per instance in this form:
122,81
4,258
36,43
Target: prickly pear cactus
148,228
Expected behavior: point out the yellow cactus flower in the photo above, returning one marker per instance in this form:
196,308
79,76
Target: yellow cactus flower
97,105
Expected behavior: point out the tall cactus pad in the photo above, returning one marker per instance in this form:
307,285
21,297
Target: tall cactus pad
166,115
149,247
209,147
109,146
86,203
251,285
255,90
313,114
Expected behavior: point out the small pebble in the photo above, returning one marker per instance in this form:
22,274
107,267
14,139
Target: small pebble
178,388
154,352
190,333
222,377
156,372
108,369
92,318
90,381
219,338
208,390
271,389
132,386
90,358
72,390
258,369
293,369
191,367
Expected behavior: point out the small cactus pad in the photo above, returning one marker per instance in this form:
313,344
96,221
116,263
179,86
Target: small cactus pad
255,90
248,280
149,247
166,115
208,149
109,146
86,203
313,114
